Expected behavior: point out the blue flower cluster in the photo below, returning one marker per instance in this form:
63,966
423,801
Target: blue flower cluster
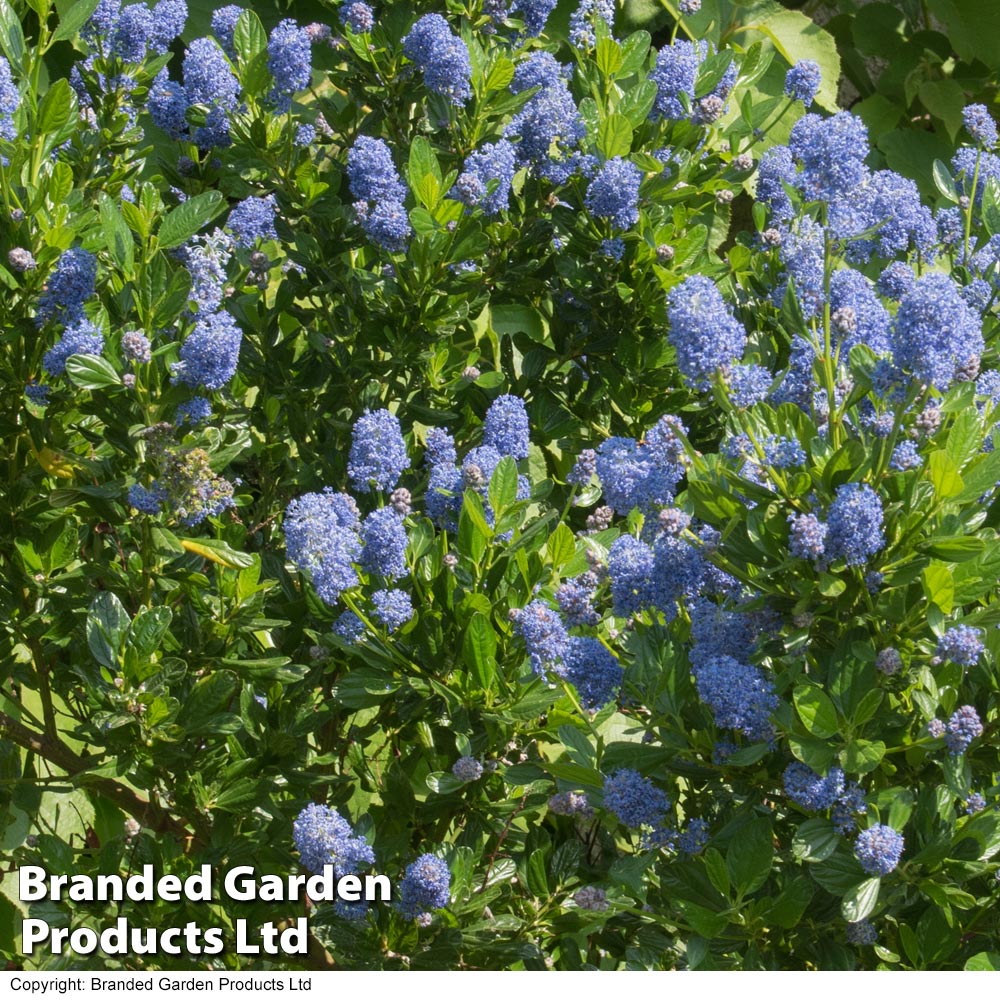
321,536
802,81
378,454
425,886
210,353
703,330
10,101
68,287
486,178
393,608
675,75
963,727
441,56
635,800
373,178
253,219
854,524
879,849
740,696
289,61
383,536
323,837
961,644
613,193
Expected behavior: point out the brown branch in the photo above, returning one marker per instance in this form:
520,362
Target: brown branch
56,752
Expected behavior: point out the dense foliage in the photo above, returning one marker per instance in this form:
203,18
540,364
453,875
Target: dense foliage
548,464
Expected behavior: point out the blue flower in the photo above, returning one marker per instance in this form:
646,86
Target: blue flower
80,337
748,385
387,225
132,33
169,18
349,627
857,315
534,13
832,152
896,280
321,537
963,727
575,599
70,285
675,75
635,800
147,501
581,21
425,886
811,791
703,330
802,81
393,608
167,104
506,426
224,27
978,123
905,456
195,411
776,169
934,331
854,524
211,352
441,56
740,696
493,163
467,769
879,849
208,76
614,193
545,637
323,837
593,671
378,454
357,16
289,61
253,219
384,538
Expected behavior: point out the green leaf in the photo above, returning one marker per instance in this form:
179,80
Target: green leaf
117,235
750,855
503,486
939,587
74,19
423,163
561,546
56,109
863,756
249,37
217,552
87,371
984,961
609,57
11,35
479,649
860,901
718,872
816,710
955,549
791,904
209,697
815,840
147,629
107,621
189,218
636,103
943,474
614,136
944,182
634,50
